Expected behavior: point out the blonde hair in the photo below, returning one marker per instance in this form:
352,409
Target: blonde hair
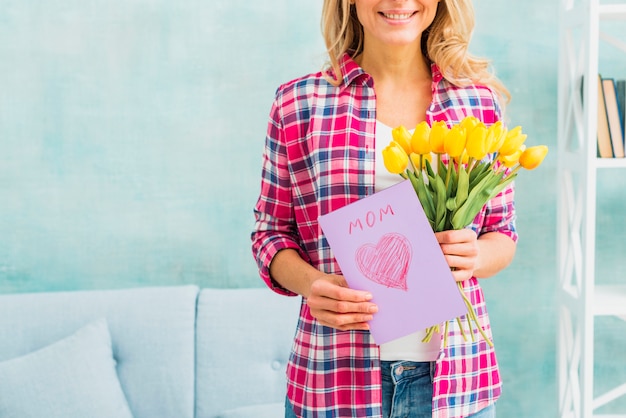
445,42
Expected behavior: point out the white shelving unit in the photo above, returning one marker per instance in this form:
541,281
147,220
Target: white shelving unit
581,300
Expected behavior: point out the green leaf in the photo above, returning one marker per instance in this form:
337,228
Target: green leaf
424,196
440,200
453,181
476,179
481,166
443,170
429,169
476,199
502,185
451,204
462,189
413,179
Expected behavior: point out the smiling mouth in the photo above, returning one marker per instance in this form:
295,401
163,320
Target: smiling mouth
397,16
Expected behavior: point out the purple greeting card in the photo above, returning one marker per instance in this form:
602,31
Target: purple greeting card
385,245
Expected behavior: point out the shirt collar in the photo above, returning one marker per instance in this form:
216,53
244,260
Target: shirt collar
436,73
352,71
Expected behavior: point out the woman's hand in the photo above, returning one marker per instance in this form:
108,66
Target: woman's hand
328,296
460,248
334,304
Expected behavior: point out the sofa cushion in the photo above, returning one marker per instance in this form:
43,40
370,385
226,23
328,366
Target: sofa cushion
244,337
271,410
73,377
152,333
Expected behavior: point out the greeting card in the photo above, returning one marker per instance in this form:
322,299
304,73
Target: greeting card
385,245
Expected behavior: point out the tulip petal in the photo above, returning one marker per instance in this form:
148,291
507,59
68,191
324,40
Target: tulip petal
395,159
438,132
477,142
513,141
420,140
454,142
532,157
402,137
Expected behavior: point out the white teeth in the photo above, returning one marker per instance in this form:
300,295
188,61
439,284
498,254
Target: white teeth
398,16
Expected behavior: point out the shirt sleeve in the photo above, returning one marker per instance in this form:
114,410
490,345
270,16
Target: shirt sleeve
500,214
275,226
500,210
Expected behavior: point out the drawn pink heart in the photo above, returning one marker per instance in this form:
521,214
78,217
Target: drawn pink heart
386,263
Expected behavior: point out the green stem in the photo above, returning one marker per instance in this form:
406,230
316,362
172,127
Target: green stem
471,316
471,165
429,334
468,306
458,321
515,170
459,168
480,329
412,165
469,325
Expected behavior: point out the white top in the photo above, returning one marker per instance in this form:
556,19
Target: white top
410,347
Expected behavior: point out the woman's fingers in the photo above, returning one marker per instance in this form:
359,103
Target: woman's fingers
460,249
335,305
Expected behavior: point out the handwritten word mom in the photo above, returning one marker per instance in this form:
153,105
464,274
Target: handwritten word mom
370,219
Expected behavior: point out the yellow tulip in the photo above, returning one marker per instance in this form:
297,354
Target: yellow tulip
496,136
402,137
415,159
420,143
477,142
463,158
438,132
395,158
532,157
512,160
469,123
454,142
513,141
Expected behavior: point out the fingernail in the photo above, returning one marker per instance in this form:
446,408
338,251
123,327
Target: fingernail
373,309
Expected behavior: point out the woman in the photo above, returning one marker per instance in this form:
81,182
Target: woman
392,62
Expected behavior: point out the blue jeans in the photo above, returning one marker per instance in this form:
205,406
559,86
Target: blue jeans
407,391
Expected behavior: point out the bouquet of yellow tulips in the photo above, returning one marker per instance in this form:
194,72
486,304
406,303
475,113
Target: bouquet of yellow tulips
473,163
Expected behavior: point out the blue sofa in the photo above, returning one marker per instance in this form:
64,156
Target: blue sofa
154,352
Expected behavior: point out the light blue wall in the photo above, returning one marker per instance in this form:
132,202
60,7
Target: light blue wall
130,140
131,134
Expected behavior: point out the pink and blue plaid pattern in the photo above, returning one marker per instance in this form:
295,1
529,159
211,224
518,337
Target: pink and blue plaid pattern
319,157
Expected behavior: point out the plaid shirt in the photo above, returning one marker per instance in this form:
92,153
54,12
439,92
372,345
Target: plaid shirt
319,156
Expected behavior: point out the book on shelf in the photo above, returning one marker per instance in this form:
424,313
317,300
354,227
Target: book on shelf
620,86
605,147
613,117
